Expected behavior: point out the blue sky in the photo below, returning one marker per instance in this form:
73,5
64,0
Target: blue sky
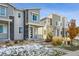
65,9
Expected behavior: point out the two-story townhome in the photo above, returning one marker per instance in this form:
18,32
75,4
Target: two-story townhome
57,22
6,13
18,24
31,23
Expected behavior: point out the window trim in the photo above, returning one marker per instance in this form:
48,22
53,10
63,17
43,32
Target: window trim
5,11
19,15
36,16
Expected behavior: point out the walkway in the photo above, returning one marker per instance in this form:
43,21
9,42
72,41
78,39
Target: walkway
75,53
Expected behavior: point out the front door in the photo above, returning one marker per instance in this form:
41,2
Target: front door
31,32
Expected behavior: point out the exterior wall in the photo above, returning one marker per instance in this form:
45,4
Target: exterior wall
30,12
18,22
60,27
28,18
9,10
47,24
6,19
57,23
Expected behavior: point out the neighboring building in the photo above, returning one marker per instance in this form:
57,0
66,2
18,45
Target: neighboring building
47,23
58,24
18,24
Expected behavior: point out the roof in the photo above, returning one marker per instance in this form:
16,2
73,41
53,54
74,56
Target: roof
57,14
44,18
23,9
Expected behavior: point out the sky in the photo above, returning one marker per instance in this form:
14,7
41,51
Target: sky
69,10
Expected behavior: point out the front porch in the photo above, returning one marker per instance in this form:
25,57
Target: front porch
33,31
4,29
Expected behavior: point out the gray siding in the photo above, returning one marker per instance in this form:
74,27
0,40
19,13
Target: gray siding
30,15
9,10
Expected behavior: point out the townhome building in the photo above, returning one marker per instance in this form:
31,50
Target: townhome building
16,24
57,23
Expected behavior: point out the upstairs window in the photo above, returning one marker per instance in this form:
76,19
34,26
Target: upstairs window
35,17
19,15
2,11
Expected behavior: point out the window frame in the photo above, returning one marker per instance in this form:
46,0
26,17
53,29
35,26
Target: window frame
20,29
4,12
19,15
36,15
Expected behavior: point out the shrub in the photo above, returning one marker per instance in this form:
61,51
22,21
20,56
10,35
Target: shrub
57,41
49,37
67,41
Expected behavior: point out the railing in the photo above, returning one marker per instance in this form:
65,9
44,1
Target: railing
3,35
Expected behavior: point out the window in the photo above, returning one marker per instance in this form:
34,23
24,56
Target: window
1,28
19,15
20,30
2,11
35,16
56,23
57,32
50,21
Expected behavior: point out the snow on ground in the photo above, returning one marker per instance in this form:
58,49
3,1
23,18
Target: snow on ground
29,50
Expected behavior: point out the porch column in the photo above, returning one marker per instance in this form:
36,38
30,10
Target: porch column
42,32
37,33
29,31
9,30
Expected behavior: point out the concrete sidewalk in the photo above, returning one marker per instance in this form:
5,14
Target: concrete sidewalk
75,53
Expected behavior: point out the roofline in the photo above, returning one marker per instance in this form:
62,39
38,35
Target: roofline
23,9
32,9
11,5
45,18
57,15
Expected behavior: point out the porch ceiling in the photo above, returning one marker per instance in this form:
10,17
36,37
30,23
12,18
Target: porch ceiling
5,19
35,24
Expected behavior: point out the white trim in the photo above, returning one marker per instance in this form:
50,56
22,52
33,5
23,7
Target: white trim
4,19
3,5
36,16
9,30
34,24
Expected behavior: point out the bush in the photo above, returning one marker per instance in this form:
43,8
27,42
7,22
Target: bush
57,41
67,41
49,37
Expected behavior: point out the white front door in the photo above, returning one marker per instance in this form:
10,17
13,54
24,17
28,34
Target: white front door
31,32
35,33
